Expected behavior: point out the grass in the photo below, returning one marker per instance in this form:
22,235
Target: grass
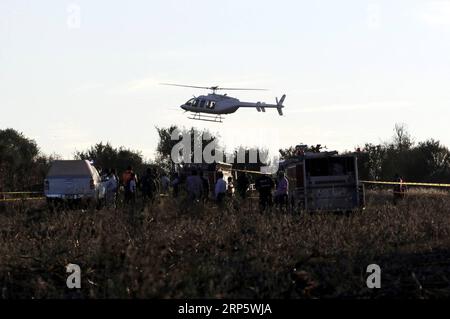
170,250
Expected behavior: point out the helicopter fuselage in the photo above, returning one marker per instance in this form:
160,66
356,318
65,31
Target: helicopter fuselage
212,104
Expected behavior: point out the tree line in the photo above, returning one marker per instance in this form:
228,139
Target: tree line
424,161
23,166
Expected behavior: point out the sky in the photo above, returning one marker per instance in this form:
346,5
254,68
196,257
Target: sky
74,73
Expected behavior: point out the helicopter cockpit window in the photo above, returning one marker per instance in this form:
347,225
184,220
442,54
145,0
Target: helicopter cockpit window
190,102
211,104
202,103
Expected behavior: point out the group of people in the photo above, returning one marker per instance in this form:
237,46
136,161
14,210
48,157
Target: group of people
150,184
265,185
199,187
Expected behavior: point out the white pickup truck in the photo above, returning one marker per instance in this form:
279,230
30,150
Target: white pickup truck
74,180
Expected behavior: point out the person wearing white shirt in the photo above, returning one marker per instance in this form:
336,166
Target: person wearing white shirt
111,189
220,188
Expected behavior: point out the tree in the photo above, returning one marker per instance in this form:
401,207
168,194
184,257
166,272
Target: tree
434,160
402,140
428,161
166,144
21,165
370,160
105,156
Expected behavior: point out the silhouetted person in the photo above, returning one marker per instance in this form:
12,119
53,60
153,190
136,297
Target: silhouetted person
206,186
130,190
282,191
176,181
264,185
148,186
399,189
242,185
194,186
126,176
165,183
220,188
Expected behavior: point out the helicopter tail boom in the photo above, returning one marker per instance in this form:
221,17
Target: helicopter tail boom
261,107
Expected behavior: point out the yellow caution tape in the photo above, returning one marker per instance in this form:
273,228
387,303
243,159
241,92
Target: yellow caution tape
366,182
17,193
406,184
250,172
21,199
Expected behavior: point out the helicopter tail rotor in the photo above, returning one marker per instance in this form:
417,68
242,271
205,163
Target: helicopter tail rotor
280,104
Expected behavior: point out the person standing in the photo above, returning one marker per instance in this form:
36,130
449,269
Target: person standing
242,185
112,184
194,186
176,181
264,185
206,186
126,177
230,187
220,188
148,186
113,173
399,189
132,188
165,183
282,191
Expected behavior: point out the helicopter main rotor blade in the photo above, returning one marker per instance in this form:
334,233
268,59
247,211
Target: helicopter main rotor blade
214,88
187,86
239,89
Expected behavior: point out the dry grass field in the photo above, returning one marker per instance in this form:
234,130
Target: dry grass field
170,250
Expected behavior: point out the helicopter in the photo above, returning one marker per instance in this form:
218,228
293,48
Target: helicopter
213,106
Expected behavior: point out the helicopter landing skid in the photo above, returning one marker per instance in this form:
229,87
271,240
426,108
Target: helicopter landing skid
206,117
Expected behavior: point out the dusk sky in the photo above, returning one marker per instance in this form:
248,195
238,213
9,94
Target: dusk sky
74,73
